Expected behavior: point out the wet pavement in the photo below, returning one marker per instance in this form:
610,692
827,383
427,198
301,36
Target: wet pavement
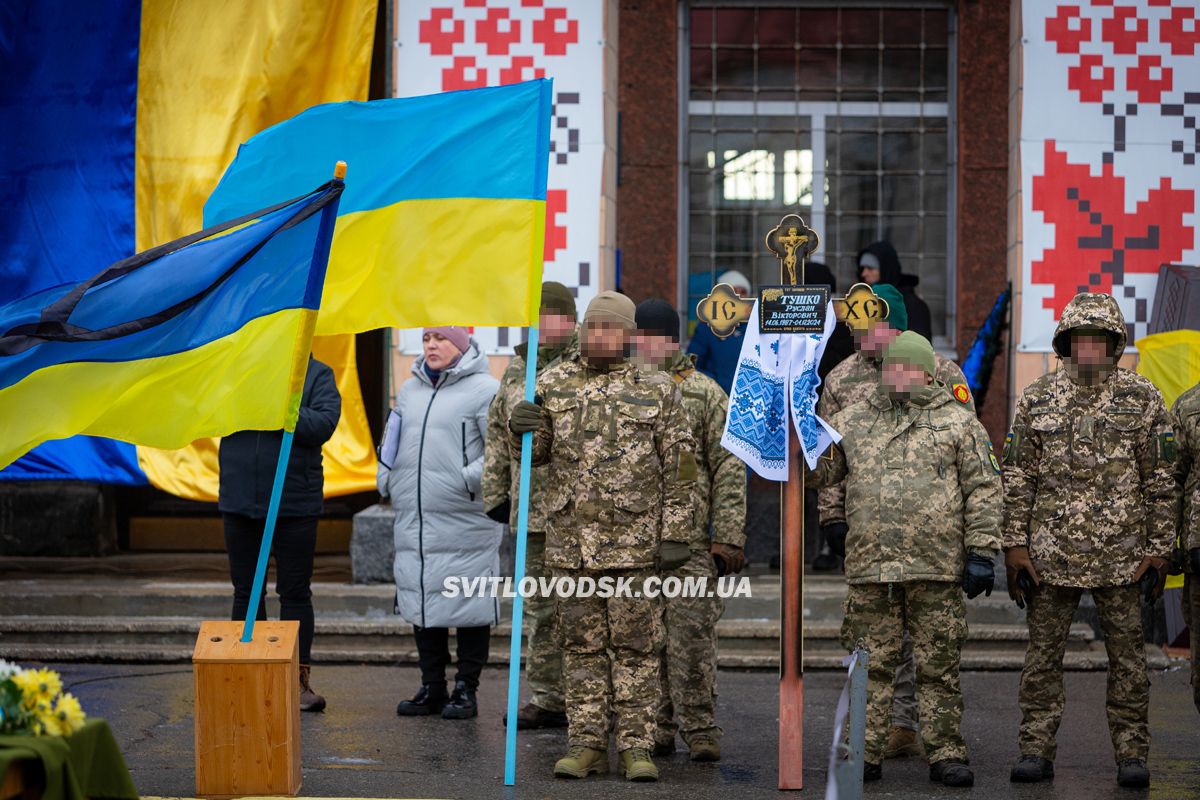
360,748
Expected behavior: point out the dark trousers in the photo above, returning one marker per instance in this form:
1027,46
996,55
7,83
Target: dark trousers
433,653
293,546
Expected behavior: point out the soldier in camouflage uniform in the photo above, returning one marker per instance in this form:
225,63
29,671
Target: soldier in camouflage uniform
618,505
923,498
689,660
850,382
543,665
1186,413
1090,504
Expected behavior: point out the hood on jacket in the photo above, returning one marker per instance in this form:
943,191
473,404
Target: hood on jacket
818,274
889,262
1090,310
472,361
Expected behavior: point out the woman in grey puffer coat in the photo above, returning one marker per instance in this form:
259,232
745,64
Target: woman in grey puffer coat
441,531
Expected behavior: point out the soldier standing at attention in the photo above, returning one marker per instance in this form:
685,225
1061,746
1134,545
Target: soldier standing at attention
618,505
689,659
558,341
1089,504
1187,474
850,382
924,500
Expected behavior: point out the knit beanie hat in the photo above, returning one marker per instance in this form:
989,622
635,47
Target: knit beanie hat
657,316
913,349
897,314
557,299
458,336
611,307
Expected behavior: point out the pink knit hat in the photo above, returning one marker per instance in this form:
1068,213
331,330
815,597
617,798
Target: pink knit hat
459,337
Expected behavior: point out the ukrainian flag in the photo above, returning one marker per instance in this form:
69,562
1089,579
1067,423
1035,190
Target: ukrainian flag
202,336
444,221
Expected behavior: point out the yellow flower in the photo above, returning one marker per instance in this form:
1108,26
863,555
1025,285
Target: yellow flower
69,713
46,723
37,686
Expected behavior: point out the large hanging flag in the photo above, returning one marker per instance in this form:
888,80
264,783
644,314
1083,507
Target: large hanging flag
444,221
118,120
977,366
203,336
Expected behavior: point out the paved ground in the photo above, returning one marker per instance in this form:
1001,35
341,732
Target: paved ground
359,748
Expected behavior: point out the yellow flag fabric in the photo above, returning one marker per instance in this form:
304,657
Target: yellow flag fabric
1171,361
211,75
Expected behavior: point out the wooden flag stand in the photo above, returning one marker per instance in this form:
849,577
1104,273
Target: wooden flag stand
247,710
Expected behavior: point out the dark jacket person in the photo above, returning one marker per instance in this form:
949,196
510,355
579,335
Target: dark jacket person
247,463
880,259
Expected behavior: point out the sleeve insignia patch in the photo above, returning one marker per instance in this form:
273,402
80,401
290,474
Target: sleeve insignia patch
961,393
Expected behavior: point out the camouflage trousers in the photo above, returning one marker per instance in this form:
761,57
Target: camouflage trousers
610,650
1191,616
1042,696
933,614
904,699
688,668
543,661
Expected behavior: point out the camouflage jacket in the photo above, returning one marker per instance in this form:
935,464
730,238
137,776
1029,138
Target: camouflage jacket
853,381
1089,484
720,502
621,465
501,472
1186,413
922,487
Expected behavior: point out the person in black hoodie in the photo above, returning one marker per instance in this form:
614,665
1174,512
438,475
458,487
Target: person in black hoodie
879,263
247,466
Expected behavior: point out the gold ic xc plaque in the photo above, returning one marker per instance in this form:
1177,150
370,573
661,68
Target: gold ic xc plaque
723,310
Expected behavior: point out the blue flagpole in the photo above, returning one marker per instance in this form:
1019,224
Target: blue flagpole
518,609
264,552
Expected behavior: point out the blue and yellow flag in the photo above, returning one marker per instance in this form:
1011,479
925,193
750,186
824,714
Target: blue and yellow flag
202,336
443,222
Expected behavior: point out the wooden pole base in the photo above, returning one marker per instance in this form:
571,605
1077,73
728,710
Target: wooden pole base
247,710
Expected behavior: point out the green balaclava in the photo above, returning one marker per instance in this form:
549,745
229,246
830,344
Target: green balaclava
897,314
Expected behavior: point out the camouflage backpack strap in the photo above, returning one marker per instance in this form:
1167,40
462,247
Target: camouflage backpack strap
683,375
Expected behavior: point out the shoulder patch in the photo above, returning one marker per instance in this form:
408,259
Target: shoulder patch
1168,448
992,458
961,393
1011,441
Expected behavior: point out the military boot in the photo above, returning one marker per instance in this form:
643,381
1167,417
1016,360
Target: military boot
532,717
664,747
580,761
951,772
1132,774
309,700
1032,769
637,766
704,747
903,743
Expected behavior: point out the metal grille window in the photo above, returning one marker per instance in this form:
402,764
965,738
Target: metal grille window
842,115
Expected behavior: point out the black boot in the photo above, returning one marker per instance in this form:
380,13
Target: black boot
951,772
532,717
1032,769
1132,774
872,772
461,704
429,699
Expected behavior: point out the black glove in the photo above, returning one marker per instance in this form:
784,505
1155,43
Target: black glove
835,537
979,576
1194,557
526,417
501,513
1027,586
1148,584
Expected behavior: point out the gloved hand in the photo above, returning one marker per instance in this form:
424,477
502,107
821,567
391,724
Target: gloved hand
1151,578
1022,577
501,513
1178,563
734,557
673,555
1194,557
526,417
979,575
835,537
